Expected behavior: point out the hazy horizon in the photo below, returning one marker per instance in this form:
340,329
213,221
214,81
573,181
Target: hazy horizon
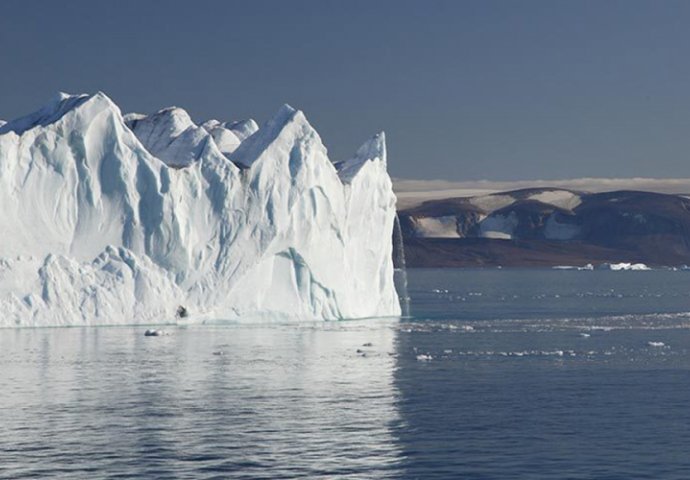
468,90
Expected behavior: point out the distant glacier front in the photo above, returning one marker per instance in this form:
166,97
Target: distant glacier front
112,219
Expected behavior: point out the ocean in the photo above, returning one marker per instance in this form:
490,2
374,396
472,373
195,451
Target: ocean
498,374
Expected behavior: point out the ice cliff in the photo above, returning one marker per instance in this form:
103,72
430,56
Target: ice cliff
108,219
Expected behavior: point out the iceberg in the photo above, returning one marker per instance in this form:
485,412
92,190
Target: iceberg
624,266
112,219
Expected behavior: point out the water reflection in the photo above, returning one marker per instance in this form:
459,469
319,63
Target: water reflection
251,401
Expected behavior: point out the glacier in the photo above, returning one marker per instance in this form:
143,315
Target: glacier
119,219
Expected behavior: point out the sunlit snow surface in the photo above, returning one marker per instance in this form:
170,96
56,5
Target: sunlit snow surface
108,220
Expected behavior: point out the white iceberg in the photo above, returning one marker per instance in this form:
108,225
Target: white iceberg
113,221
623,266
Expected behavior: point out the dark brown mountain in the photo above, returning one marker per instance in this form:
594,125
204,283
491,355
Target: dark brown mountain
548,227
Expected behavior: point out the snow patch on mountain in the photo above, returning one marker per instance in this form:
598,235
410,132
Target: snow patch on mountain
499,226
490,203
436,227
558,198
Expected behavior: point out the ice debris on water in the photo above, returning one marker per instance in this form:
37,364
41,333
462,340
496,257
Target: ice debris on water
424,357
656,344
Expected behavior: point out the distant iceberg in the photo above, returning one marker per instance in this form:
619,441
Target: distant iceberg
623,266
589,266
606,266
118,220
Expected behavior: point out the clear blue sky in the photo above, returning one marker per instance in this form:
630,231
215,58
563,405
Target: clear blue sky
464,89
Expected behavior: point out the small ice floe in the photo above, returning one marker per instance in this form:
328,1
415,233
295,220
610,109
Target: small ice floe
448,350
656,344
153,333
424,357
439,290
585,335
587,267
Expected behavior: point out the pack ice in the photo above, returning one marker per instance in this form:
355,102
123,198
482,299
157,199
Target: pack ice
108,219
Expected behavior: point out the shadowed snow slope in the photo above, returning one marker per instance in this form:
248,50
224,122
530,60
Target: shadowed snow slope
111,221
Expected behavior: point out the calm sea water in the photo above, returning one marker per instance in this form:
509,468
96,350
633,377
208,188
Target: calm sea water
500,374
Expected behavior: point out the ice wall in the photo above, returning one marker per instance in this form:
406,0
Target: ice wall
107,221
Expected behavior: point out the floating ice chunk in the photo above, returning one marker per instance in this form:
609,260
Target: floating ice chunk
424,357
623,266
656,344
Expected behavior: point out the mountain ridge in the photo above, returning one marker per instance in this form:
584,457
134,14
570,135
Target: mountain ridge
549,227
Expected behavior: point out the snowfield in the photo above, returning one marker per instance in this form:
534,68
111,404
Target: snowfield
117,220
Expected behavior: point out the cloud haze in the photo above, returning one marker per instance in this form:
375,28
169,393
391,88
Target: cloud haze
413,192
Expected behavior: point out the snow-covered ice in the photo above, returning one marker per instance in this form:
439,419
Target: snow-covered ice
107,220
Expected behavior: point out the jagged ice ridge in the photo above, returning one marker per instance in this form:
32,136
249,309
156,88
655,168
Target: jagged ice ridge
112,219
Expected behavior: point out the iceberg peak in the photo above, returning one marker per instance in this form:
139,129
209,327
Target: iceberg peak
243,128
170,135
58,106
282,132
372,150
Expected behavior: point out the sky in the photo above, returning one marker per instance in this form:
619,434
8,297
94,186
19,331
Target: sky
465,90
